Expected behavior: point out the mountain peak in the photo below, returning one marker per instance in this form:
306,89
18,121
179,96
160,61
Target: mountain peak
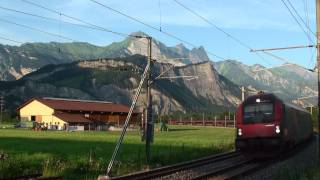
139,33
199,54
180,45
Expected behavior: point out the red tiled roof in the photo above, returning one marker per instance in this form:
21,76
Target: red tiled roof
72,118
80,105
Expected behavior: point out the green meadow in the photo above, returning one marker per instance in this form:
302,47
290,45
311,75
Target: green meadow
85,155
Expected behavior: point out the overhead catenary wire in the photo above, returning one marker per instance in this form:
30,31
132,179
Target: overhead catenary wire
153,27
88,24
79,20
214,25
296,12
307,19
160,15
91,25
220,29
11,40
51,19
297,21
95,27
36,29
47,18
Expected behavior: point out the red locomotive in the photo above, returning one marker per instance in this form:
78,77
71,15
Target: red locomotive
264,121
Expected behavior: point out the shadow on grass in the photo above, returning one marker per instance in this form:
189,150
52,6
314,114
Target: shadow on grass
75,159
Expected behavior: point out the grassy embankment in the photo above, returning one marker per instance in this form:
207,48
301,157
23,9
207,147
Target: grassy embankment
312,173
85,155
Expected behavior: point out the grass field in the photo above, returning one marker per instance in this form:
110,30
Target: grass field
85,155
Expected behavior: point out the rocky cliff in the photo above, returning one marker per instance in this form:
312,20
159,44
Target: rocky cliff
116,80
289,81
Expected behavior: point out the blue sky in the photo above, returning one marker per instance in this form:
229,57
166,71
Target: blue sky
258,23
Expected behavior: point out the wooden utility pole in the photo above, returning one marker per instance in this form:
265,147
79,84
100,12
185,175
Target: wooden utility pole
149,119
318,67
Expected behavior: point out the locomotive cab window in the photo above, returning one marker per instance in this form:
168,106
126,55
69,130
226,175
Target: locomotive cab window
258,113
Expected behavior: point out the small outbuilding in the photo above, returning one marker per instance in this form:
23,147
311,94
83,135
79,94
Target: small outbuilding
72,114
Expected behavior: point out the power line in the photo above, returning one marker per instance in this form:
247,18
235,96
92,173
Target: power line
294,9
220,29
294,17
90,25
152,27
79,20
306,12
48,18
160,15
59,20
36,29
212,24
7,39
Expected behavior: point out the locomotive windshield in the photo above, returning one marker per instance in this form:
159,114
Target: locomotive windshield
258,113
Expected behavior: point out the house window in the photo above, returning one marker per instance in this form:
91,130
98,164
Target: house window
33,118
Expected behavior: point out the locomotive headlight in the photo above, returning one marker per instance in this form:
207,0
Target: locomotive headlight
277,129
240,132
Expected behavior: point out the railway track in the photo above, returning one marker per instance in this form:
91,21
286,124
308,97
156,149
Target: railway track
197,169
32,177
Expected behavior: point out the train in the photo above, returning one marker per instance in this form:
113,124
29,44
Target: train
264,121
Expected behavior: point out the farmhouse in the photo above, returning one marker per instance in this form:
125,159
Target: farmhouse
71,114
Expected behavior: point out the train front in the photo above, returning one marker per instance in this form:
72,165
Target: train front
258,122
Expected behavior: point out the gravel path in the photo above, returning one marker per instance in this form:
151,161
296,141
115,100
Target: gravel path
305,158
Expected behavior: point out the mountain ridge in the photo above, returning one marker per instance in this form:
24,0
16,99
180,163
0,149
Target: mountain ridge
116,80
17,61
289,81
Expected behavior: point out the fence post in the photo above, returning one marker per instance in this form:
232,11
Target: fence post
234,120
215,121
225,121
191,120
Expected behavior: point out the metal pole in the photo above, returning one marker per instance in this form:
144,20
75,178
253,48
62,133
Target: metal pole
282,48
1,108
242,93
203,119
318,67
149,120
215,121
126,124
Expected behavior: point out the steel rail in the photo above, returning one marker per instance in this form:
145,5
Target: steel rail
33,177
231,171
167,170
245,167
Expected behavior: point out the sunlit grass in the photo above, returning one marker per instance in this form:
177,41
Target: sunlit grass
85,155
